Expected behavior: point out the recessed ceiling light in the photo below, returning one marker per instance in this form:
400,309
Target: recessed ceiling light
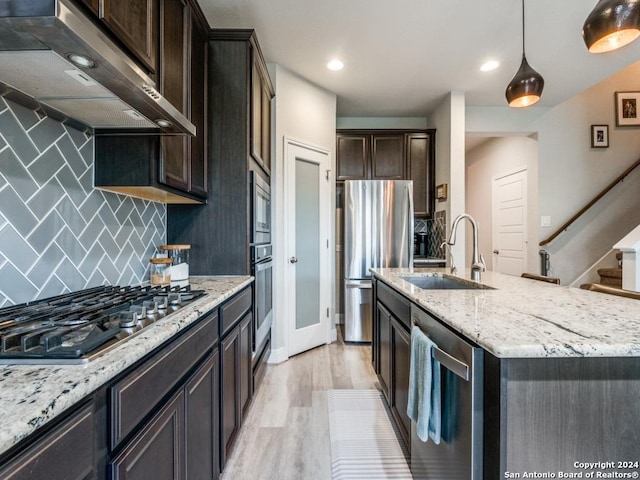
335,65
490,65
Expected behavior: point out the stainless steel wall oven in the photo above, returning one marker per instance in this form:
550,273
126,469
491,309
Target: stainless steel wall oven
260,210
262,270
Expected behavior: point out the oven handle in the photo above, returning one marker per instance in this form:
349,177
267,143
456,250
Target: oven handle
263,265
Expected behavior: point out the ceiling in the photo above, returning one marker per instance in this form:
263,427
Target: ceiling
403,56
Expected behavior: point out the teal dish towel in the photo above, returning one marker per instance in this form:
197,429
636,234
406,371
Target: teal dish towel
423,406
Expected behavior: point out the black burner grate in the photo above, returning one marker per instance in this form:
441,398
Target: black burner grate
72,325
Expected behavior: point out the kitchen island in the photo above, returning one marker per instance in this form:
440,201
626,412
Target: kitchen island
560,371
31,396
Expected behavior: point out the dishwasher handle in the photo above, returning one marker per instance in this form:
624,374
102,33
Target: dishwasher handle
451,363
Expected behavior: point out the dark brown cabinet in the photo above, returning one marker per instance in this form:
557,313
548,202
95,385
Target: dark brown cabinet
421,169
230,399
168,169
387,157
365,156
161,417
65,453
135,24
236,382
245,372
392,353
202,420
352,158
261,95
175,43
400,365
181,440
219,232
197,154
183,81
157,451
384,349
390,155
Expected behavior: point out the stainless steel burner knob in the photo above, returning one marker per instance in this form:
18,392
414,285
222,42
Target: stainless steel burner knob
161,302
139,310
128,319
151,306
174,298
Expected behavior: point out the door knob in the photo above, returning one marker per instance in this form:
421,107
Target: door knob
497,252
293,260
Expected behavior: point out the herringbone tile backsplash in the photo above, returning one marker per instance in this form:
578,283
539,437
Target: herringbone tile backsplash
57,232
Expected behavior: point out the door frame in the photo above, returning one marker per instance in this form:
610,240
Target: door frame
495,178
325,230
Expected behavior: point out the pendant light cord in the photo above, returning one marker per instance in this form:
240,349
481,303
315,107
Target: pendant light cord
523,28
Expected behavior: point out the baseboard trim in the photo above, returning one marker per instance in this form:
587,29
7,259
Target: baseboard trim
278,355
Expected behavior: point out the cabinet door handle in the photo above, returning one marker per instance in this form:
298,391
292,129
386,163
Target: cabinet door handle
497,252
293,260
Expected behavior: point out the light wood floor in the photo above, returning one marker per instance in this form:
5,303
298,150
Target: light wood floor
285,435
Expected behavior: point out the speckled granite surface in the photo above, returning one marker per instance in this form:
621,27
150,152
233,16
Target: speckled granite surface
527,318
31,395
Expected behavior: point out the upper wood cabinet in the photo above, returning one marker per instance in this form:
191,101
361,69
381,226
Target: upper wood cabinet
261,95
183,83
352,156
163,168
370,156
135,23
421,169
198,100
175,63
390,155
387,157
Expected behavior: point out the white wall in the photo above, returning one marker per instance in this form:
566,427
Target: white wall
490,159
571,172
419,123
305,112
449,121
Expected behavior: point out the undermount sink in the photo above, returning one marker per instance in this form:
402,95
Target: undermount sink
442,282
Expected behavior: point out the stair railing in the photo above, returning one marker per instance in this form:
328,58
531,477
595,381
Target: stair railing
595,199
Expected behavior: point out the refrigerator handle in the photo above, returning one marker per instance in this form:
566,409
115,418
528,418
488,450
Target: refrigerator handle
410,223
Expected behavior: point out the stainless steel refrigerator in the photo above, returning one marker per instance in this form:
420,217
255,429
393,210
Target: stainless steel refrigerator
378,233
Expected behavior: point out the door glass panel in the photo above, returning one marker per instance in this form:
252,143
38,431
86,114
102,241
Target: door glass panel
307,243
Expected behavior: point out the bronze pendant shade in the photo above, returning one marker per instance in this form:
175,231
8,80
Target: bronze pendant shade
525,88
612,24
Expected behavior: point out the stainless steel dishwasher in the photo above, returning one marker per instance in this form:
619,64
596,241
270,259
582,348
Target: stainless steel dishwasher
459,454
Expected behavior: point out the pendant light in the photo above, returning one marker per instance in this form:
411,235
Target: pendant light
525,88
612,24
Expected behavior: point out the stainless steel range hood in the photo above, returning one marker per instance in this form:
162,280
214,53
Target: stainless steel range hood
114,95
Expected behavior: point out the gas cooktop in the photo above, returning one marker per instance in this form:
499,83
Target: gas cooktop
76,327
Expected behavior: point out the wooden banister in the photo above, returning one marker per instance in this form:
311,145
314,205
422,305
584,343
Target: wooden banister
567,224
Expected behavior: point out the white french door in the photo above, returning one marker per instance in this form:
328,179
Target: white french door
308,217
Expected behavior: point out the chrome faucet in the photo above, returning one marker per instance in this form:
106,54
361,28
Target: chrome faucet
478,264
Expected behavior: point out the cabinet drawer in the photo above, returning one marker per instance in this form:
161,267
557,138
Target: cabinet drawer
398,305
136,396
234,309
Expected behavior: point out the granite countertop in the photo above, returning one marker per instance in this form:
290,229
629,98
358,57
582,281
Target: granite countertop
32,395
524,318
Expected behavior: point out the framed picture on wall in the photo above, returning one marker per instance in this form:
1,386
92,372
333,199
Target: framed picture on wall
599,136
627,109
